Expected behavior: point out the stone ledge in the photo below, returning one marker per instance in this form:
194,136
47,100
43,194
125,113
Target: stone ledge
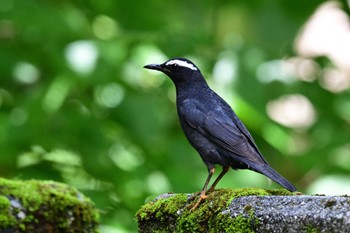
44,206
246,210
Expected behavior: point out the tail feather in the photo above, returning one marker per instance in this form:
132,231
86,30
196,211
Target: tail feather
268,171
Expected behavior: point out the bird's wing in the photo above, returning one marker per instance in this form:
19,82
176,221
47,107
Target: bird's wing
221,130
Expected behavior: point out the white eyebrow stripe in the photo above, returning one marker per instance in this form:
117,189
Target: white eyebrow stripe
181,63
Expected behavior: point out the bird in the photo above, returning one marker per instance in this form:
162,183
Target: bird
212,127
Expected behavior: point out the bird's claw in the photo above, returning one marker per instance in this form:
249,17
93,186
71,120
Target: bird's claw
202,197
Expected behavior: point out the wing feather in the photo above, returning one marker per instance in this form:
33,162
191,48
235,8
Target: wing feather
224,131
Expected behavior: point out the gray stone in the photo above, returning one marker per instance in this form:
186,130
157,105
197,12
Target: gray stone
246,210
294,213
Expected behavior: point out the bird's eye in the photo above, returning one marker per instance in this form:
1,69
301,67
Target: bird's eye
176,66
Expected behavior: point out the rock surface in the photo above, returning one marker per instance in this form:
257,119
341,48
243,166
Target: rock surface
246,210
294,213
44,206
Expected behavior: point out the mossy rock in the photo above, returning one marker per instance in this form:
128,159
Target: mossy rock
246,210
172,212
44,206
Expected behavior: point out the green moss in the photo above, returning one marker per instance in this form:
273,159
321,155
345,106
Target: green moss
240,224
25,206
169,207
311,229
5,219
207,217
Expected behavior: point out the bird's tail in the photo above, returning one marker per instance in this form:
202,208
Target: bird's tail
268,171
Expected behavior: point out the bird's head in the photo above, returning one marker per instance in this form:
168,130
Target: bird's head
178,69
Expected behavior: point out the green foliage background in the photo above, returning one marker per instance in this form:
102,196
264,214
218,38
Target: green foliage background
112,131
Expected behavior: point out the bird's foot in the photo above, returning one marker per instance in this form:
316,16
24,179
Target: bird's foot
202,197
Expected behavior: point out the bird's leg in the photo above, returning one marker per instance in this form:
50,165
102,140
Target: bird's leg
204,190
224,171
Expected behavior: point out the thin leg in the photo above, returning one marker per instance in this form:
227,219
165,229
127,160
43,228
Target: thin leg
204,190
224,171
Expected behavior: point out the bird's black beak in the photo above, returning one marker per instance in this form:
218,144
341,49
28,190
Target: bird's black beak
154,67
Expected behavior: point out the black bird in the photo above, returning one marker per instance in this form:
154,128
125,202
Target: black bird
212,127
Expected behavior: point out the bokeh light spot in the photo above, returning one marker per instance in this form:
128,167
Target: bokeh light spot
294,111
288,70
82,56
63,157
279,70
56,94
327,33
224,74
105,27
109,95
126,158
26,73
158,183
135,188
341,157
335,80
331,185
142,55
225,70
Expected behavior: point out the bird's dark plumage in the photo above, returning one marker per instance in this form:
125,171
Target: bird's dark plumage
211,126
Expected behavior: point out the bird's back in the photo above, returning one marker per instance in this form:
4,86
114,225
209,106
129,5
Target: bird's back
206,113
